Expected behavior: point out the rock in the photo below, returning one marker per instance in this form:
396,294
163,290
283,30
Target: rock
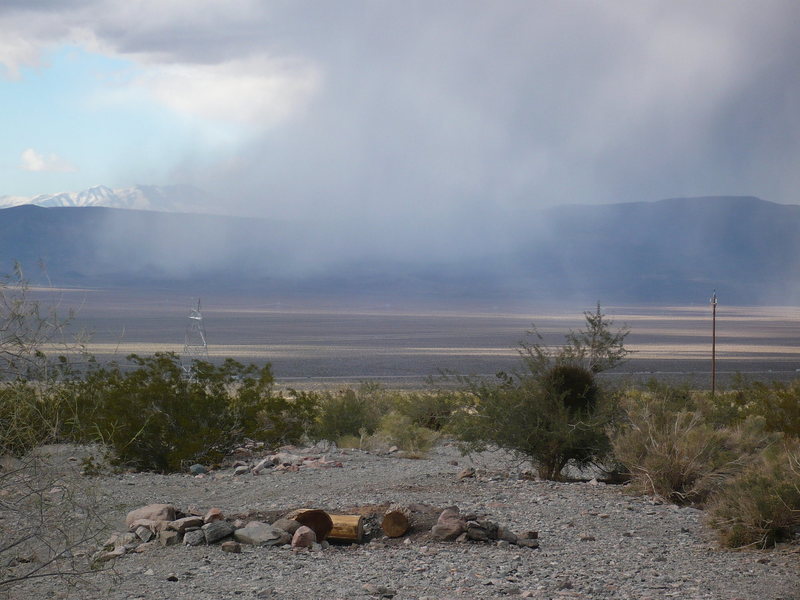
449,526
465,473
261,534
104,556
507,535
169,538
216,530
378,590
194,537
172,577
528,543
264,464
477,532
288,525
198,469
153,512
287,459
181,525
231,546
144,533
587,537
304,537
213,514
126,539
241,470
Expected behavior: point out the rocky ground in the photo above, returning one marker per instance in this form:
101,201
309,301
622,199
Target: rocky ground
595,540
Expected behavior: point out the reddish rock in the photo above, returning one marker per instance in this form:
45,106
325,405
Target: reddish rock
231,546
213,514
153,512
304,537
450,525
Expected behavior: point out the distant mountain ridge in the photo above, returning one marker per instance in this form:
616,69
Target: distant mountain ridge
675,250
170,198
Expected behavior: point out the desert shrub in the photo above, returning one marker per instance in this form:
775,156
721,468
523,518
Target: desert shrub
351,412
761,505
777,402
530,418
672,450
431,409
156,418
552,411
399,430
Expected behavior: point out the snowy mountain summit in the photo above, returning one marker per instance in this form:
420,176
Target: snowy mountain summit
170,198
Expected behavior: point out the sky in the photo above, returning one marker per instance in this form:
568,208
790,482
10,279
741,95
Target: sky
398,116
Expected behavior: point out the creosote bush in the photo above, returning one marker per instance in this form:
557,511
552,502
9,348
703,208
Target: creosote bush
157,418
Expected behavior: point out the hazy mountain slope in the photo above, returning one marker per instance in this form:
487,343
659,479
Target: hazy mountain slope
171,198
674,250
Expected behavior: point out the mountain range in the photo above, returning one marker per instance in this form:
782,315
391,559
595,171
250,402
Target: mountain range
669,251
169,198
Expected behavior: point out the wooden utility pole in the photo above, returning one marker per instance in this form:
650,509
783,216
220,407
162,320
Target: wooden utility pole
714,343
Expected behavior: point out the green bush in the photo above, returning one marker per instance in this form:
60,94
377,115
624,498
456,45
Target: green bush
351,413
777,402
760,506
431,409
553,411
529,417
156,418
399,430
672,450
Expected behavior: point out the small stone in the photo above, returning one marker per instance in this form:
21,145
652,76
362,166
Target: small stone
264,464
195,537
153,512
304,537
144,534
181,525
198,469
149,572
587,537
241,470
261,534
217,530
169,538
288,525
407,542
213,514
528,543
466,473
172,577
231,546
763,560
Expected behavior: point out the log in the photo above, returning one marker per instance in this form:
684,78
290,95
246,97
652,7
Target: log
315,519
347,528
396,521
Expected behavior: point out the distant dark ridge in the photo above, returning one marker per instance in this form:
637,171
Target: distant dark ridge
673,250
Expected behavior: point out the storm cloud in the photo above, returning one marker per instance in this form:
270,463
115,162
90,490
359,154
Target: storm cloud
418,127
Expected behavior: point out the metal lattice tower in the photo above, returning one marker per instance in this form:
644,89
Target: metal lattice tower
195,346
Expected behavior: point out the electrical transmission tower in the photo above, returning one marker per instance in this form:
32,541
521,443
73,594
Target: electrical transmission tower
195,346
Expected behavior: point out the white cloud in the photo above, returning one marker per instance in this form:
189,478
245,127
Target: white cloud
34,161
260,91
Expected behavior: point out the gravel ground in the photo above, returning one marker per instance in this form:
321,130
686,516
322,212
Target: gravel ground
596,541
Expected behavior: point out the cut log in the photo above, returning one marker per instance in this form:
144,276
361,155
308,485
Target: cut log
315,519
396,521
348,528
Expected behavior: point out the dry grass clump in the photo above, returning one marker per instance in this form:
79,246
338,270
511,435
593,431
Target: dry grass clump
761,505
672,450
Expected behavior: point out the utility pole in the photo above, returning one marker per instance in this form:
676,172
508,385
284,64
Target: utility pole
714,343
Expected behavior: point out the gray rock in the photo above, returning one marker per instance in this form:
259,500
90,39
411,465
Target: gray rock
169,538
241,470
261,534
231,546
198,469
195,537
217,530
144,534
288,525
